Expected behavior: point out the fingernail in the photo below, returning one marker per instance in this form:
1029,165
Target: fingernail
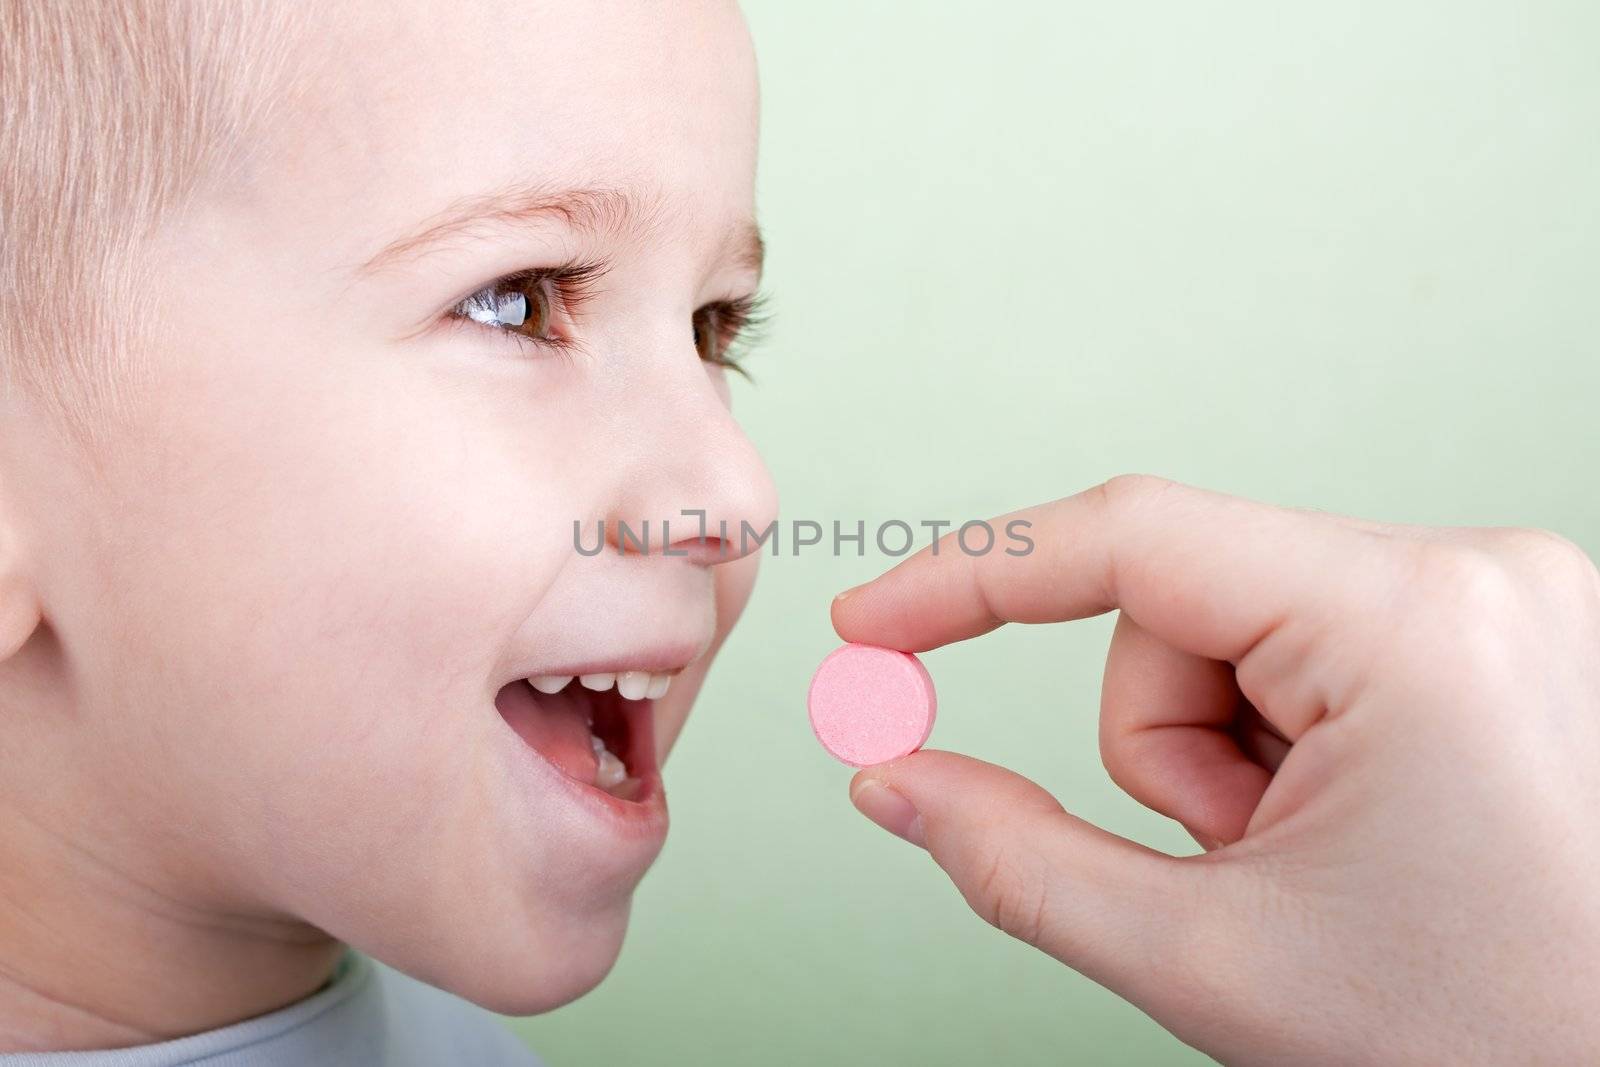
889,809
846,593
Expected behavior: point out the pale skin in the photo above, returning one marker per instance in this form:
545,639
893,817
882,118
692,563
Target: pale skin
249,646
250,643
1385,738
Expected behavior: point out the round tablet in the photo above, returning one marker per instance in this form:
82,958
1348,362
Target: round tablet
871,704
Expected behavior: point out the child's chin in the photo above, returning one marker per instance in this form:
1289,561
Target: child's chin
568,964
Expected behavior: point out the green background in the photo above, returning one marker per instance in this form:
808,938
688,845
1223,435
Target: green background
1339,255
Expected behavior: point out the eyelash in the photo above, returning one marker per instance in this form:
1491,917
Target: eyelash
739,321
743,323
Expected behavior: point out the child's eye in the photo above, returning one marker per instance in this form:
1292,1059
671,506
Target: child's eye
533,307
708,340
720,327
523,305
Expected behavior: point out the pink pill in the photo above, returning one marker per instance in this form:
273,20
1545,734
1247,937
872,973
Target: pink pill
871,704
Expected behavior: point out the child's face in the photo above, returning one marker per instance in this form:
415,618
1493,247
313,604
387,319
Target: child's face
339,533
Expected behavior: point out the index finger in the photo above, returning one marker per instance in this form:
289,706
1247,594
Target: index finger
1208,573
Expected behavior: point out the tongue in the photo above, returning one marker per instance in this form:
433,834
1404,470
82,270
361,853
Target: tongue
555,726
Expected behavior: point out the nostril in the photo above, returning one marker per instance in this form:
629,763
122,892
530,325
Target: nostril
707,550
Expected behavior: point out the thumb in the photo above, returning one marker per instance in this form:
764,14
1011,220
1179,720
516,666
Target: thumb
1118,912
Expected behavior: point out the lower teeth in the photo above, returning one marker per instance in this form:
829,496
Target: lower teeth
609,771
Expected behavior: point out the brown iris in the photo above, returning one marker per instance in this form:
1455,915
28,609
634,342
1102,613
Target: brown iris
523,304
711,334
531,314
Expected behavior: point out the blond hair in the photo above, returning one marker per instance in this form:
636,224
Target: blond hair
113,113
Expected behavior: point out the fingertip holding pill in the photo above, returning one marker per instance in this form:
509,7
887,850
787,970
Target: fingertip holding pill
870,704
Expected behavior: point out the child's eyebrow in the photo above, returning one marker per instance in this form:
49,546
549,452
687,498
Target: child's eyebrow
591,210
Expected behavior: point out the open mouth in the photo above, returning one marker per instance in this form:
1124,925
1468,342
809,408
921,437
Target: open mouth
597,729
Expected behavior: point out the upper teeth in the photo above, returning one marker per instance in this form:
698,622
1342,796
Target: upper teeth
631,685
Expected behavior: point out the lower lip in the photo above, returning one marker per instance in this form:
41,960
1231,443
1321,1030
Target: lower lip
642,819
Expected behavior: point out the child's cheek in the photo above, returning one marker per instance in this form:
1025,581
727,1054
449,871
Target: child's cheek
321,577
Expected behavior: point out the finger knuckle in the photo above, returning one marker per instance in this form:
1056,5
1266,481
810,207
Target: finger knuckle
1457,612
1012,897
1458,582
1547,554
1132,490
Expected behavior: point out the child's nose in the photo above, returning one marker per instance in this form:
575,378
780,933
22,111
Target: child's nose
697,478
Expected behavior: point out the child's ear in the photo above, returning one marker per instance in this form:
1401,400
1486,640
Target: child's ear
19,600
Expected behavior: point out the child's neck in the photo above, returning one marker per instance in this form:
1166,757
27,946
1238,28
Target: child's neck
93,957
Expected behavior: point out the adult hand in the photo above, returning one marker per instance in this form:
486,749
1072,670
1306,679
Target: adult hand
1387,739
